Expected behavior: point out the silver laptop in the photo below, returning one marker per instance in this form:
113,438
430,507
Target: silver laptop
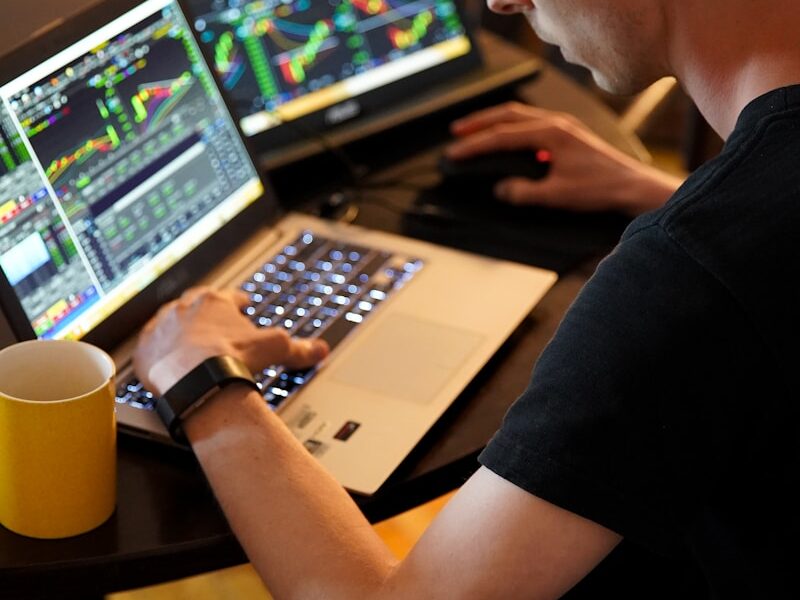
124,180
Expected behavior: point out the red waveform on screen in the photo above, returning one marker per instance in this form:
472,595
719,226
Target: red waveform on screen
294,67
405,38
371,7
104,144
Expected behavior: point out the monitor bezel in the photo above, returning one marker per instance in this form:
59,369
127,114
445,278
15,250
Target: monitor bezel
370,103
126,320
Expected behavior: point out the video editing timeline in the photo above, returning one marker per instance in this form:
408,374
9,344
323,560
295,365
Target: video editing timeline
37,254
270,53
137,149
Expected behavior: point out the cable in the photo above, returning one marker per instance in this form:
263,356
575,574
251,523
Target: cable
355,171
409,172
425,210
353,194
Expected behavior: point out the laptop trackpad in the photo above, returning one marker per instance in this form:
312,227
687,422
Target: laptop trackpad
407,358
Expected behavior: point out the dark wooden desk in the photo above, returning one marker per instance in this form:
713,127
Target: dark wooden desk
167,524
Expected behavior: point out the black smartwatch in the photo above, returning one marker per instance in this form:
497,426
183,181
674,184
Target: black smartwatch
197,386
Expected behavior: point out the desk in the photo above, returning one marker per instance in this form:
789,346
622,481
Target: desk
167,524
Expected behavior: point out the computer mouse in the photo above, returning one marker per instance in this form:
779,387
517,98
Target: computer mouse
484,171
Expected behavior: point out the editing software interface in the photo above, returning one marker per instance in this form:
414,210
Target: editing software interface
118,158
284,59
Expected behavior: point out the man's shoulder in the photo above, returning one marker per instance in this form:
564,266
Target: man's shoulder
751,186
743,207
737,218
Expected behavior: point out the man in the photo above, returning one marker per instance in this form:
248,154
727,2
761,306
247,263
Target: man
662,412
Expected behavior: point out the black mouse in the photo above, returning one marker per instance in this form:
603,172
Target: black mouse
485,170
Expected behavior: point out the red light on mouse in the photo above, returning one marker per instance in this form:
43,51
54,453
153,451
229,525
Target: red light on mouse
544,156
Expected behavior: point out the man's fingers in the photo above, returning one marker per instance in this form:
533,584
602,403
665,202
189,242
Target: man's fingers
306,353
276,347
521,191
192,294
507,137
551,192
510,112
237,296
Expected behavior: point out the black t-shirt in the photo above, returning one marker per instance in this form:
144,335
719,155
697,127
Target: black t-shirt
666,406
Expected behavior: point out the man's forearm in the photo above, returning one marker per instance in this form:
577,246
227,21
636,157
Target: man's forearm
298,526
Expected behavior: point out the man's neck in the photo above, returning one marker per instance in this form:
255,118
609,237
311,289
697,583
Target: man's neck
726,58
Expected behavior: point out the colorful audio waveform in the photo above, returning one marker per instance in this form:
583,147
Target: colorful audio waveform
403,39
260,62
227,60
106,143
42,125
294,68
113,75
154,101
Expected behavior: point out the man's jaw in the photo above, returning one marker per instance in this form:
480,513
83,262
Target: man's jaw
530,15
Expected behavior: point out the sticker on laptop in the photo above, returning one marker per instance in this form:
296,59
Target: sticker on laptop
347,430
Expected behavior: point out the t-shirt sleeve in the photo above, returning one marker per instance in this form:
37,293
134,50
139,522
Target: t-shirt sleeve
587,433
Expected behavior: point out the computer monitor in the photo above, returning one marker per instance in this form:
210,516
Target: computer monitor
118,159
296,68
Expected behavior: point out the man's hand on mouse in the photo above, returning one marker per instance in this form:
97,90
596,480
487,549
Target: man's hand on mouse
586,173
203,323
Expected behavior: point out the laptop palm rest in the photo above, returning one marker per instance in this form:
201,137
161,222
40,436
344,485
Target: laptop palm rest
407,358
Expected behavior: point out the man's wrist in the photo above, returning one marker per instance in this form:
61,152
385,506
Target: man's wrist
229,409
648,189
173,367
198,386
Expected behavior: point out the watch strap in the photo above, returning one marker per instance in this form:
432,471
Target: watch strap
199,384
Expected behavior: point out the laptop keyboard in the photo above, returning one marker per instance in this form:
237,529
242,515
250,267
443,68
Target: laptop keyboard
315,288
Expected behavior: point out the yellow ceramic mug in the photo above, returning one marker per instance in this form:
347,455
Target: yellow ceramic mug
57,438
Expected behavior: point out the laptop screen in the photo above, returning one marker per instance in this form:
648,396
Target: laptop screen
118,157
285,59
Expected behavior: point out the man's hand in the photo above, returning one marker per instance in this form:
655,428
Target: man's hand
204,323
586,173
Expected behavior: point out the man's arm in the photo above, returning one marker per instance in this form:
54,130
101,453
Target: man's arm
307,539
301,530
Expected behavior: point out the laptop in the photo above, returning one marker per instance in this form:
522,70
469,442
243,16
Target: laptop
124,180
